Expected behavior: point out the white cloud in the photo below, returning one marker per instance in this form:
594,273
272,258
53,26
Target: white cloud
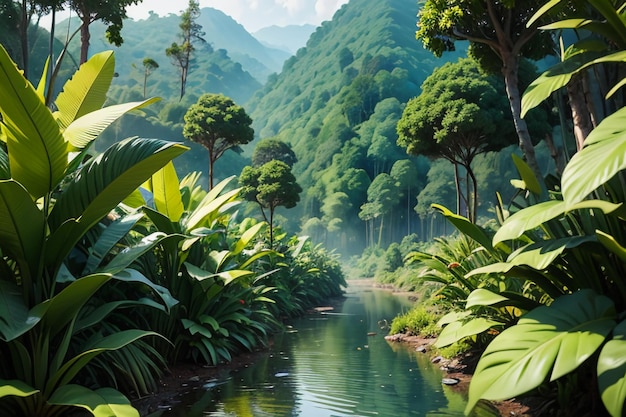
252,14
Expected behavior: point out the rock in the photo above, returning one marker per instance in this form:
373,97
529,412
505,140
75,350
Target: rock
436,359
449,381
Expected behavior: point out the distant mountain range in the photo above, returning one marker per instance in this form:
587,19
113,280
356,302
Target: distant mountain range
238,65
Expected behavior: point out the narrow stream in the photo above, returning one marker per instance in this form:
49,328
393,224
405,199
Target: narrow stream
331,365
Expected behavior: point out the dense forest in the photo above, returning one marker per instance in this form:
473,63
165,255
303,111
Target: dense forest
367,140
336,102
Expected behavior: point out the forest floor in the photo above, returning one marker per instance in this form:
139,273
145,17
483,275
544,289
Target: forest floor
182,378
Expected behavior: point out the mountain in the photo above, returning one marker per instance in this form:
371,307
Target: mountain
225,33
288,38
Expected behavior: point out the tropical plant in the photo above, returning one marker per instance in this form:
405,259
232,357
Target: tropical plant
51,196
570,248
207,265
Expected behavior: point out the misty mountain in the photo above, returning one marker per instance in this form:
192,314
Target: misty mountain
288,38
225,33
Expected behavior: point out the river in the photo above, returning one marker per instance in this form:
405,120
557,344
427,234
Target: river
332,364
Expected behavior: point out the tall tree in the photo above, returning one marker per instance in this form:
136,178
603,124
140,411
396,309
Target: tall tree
458,115
498,36
149,65
110,12
218,124
190,32
270,186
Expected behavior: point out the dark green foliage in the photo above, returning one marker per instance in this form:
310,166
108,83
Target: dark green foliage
269,149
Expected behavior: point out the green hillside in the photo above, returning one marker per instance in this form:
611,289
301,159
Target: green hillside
337,103
215,68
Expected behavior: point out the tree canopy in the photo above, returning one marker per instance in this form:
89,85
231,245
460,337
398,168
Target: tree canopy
218,124
499,36
459,114
270,186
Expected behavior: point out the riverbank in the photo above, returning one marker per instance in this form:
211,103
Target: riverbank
460,368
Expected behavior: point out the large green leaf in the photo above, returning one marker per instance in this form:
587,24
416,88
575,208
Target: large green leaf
559,75
102,184
15,317
85,129
546,344
165,190
534,216
21,227
540,255
37,151
131,253
64,307
16,388
603,156
459,330
70,368
103,402
86,91
108,239
465,226
612,371
209,209
5,170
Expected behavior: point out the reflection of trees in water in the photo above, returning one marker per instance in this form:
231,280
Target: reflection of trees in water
334,367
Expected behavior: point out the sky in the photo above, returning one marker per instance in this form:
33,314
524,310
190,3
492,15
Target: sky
252,14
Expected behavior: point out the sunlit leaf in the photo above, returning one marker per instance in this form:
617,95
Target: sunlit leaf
546,344
612,372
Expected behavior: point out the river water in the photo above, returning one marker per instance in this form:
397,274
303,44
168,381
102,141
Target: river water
331,364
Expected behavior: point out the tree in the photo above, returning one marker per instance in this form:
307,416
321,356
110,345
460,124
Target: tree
498,37
458,116
271,185
218,124
271,148
382,197
149,66
111,13
190,33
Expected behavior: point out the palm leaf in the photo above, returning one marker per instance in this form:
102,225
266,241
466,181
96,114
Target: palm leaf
86,91
86,128
603,156
166,193
546,344
21,228
37,151
104,182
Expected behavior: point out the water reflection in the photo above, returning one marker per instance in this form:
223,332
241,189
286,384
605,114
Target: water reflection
336,364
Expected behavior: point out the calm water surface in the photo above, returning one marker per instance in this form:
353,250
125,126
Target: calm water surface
328,366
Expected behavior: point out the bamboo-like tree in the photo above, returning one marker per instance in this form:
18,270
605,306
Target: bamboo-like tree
149,65
190,32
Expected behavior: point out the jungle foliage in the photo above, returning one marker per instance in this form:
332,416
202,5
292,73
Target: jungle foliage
541,290
86,236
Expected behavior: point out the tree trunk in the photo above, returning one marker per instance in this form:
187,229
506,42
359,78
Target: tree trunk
24,35
510,65
85,37
580,114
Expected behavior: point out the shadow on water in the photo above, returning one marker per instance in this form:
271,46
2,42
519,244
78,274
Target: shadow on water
331,364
